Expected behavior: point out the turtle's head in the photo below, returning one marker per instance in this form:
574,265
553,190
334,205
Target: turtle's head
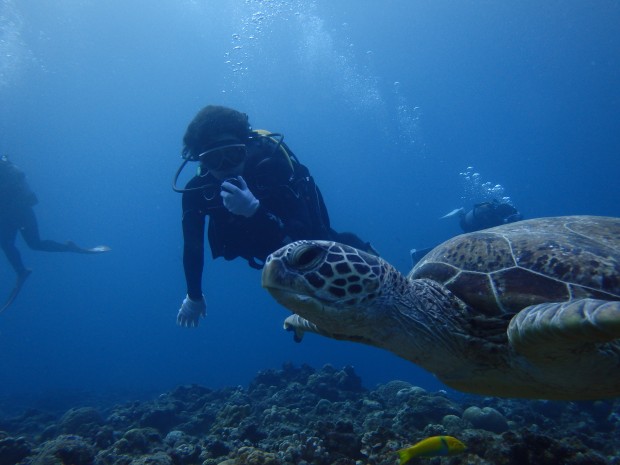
331,285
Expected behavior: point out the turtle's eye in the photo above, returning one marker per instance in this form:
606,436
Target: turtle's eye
307,256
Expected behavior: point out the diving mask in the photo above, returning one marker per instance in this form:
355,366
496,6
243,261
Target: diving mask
224,157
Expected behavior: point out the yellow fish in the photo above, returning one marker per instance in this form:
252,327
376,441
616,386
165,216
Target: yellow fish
432,447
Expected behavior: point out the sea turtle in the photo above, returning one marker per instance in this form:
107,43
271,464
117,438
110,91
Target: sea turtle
529,309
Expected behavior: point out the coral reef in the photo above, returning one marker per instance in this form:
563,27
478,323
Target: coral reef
305,416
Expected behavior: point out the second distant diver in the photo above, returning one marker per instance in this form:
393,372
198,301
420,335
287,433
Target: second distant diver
481,216
17,216
485,215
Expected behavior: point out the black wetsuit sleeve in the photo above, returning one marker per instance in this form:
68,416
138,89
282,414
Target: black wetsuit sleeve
193,248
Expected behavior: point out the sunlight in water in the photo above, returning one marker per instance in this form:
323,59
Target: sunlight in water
13,52
327,60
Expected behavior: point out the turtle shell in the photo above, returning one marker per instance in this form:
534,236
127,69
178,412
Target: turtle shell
507,268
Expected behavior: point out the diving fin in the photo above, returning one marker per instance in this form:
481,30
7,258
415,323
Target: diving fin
73,247
418,254
98,249
21,279
455,212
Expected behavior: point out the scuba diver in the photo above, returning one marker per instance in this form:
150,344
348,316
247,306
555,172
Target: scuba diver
485,215
257,195
482,216
17,215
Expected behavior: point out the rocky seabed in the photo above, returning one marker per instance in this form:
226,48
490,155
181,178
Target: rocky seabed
307,416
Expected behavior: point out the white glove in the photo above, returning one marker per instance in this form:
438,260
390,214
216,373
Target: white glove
191,311
239,200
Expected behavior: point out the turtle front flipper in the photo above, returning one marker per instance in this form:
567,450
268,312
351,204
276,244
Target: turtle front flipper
299,326
546,331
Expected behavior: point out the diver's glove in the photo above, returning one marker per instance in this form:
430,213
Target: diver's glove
191,311
239,200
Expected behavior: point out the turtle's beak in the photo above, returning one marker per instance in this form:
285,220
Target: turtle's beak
296,303
275,276
282,286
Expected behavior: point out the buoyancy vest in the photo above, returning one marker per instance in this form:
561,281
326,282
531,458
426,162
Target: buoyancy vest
302,182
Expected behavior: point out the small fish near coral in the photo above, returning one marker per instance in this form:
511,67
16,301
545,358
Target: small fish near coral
432,447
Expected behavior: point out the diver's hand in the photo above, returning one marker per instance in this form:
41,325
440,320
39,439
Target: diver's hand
239,200
191,311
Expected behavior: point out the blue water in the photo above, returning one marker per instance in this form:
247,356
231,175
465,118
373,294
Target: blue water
387,102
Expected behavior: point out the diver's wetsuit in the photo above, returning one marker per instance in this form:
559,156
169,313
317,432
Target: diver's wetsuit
16,214
291,208
487,215
281,218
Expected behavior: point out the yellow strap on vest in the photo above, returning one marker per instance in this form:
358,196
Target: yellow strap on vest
266,133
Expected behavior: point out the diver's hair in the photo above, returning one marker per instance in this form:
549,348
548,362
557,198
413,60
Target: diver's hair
211,122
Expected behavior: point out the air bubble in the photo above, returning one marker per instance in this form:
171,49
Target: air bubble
477,190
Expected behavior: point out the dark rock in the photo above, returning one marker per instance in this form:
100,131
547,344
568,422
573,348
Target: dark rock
104,437
139,440
162,418
389,393
486,418
193,394
253,456
340,439
30,422
12,450
216,447
250,432
83,421
159,458
421,409
64,450
232,415
348,380
185,454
